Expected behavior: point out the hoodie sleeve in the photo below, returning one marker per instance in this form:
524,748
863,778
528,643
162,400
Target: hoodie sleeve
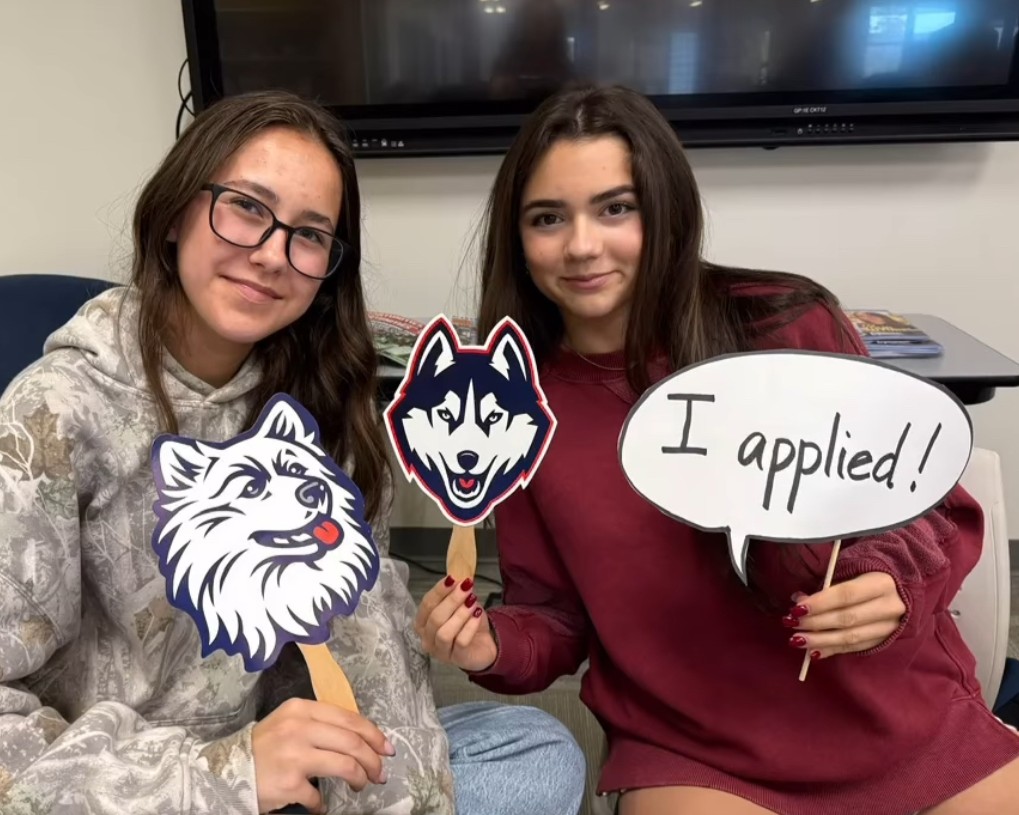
106,759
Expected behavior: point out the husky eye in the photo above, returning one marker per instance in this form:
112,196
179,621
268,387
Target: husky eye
296,469
256,486
493,417
445,415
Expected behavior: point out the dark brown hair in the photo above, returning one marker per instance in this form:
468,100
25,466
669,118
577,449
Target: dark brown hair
683,306
326,358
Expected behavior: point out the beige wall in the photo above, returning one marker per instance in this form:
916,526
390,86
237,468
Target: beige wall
90,100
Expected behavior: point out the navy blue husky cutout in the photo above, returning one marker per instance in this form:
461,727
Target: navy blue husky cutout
262,538
470,423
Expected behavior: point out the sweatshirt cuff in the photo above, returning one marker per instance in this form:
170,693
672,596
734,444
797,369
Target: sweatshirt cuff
223,775
513,654
911,596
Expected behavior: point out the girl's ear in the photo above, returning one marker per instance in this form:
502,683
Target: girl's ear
171,236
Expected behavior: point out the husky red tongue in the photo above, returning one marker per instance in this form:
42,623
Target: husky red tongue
327,533
466,483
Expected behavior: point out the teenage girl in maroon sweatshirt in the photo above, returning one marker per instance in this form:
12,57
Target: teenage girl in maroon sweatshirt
594,248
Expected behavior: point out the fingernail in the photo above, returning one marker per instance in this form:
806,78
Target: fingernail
798,642
449,581
467,585
388,747
476,612
383,776
470,601
791,622
797,596
799,611
815,655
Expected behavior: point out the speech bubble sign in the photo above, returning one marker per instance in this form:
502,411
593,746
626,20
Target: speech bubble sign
262,538
470,423
794,446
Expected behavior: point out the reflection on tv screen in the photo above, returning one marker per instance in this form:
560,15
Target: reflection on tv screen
357,52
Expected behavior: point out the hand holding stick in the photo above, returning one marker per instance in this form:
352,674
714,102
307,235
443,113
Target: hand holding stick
827,582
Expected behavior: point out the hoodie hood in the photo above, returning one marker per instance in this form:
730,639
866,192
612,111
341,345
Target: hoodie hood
104,333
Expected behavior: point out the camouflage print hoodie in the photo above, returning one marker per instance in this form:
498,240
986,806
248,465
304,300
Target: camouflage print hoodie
106,705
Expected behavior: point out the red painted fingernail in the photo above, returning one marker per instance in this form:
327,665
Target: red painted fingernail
470,601
791,622
467,585
449,581
476,612
798,642
815,655
799,611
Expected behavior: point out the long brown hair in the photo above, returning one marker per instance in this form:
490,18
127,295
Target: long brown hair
683,306
326,359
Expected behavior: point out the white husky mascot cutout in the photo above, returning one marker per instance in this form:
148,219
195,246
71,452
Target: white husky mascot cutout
262,538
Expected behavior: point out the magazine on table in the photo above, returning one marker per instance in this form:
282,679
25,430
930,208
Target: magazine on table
887,334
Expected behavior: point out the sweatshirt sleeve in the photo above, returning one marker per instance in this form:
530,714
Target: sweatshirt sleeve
106,759
541,629
928,558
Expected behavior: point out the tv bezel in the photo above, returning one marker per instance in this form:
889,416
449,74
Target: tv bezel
762,119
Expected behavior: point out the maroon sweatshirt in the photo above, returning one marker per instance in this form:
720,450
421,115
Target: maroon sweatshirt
691,673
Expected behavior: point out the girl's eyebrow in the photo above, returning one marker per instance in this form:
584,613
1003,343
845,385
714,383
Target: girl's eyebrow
550,203
272,198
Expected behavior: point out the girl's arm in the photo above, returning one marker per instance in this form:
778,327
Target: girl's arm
541,629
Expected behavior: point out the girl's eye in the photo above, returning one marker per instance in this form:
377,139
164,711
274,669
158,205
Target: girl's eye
247,205
618,208
545,219
310,235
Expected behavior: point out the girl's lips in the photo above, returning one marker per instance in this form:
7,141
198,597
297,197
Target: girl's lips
587,282
252,291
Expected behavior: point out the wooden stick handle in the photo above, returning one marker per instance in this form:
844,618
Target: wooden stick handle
327,678
462,553
827,582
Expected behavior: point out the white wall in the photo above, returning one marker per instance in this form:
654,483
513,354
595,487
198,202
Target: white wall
89,92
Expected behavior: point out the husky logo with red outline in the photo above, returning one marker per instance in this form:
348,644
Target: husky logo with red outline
470,423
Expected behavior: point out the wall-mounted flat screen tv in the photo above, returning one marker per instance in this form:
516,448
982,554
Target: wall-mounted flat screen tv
420,77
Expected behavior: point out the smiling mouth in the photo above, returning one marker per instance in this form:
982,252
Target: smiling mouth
254,287
323,530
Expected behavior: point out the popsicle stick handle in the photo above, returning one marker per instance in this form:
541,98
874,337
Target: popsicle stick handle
327,678
827,582
462,553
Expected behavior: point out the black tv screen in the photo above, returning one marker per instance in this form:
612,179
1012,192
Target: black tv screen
456,76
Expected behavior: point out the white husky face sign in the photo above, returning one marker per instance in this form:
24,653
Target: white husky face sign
262,539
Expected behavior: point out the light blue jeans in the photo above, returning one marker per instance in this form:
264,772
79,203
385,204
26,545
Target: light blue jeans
512,760
509,760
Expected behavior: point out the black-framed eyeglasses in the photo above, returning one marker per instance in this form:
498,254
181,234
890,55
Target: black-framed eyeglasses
244,221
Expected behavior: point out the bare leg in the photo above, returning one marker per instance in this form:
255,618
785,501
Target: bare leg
686,800
998,794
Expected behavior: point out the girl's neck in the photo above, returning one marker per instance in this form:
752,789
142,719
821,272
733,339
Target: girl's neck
606,335
202,352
